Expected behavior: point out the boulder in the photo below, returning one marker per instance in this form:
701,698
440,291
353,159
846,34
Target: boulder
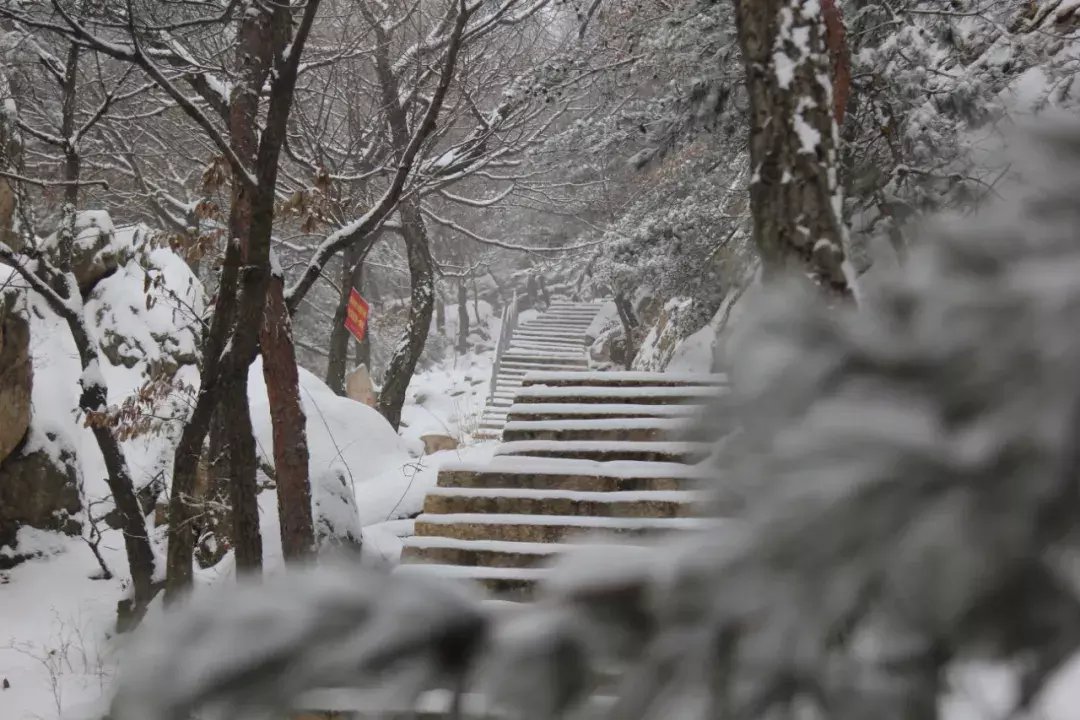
434,443
39,489
608,349
16,378
358,387
95,252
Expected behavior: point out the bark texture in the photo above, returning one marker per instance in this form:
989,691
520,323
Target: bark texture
242,483
840,56
402,363
794,196
233,338
289,426
463,317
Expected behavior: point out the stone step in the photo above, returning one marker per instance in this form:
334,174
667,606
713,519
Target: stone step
570,309
485,553
496,553
563,329
515,367
544,358
545,349
562,319
610,395
594,304
526,365
545,362
626,379
547,528
606,451
510,471
577,411
612,428
531,501
577,345
526,331
557,323
558,343
591,311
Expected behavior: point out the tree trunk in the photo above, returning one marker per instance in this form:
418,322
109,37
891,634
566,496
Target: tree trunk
543,290
290,425
629,323
422,281
253,59
476,299
94,397
136,540
189,448
337,362
839,55
243,488
440,314
72,160
794,198
261,37
463,317
338,359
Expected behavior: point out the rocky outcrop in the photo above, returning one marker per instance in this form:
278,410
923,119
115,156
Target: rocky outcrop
436,442
668,325
39,489
95,252
16,377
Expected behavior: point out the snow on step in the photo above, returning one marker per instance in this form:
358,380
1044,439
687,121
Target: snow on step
565,327
611,428
640,395
541,377
548,528
608,449
434,542
674,496
526,333
532,411
613,423
537,502
525,465
545,358
514,364
585,523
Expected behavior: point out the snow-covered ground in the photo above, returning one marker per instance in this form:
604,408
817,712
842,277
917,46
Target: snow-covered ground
57,649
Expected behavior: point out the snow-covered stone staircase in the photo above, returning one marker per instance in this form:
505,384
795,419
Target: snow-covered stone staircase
554,340
585,454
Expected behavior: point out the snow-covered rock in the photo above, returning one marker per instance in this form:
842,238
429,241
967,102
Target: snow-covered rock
148,310
16,375
98,249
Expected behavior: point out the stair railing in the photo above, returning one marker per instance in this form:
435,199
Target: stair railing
506,330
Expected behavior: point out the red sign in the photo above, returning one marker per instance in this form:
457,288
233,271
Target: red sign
357,317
